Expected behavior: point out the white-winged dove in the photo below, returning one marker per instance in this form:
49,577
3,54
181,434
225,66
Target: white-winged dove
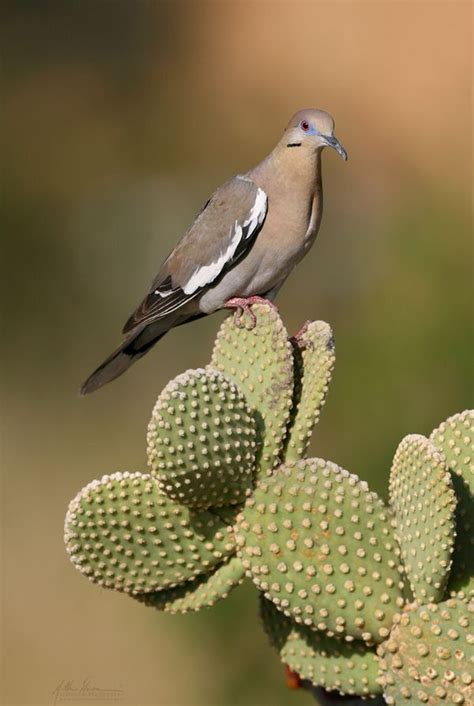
242,246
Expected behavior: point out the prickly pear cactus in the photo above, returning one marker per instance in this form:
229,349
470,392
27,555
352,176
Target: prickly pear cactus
429,656
321,546
454,438
358,597
347,667
122,533
314,358
260,362
210,460
203,592
423,500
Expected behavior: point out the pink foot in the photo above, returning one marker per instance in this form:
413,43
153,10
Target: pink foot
299,335
243,305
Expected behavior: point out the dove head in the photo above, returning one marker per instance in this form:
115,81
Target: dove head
312,130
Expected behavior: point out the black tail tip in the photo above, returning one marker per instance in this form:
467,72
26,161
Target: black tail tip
88,386
112,368
117,363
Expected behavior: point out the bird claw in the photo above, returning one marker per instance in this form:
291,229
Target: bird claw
242,305
299,340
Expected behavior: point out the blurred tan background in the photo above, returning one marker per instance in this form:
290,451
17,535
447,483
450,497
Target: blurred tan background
119,119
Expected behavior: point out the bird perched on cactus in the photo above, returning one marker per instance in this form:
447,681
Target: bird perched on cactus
242,246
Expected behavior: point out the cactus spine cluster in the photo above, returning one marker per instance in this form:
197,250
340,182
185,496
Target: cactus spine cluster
357,596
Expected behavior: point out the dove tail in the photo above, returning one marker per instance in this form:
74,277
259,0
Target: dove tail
121,359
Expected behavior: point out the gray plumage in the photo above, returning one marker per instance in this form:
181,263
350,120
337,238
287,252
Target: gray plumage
245,241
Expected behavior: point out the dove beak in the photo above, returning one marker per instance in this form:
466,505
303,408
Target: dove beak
333,142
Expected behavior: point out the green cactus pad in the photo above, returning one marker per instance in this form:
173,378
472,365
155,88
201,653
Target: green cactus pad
423,501
455,439
314,358
429,656
201,441
320,545
349,668
122,533
202,592
260,362
227,513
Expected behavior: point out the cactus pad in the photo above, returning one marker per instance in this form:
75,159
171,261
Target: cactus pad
202,592
429,656
455,439
423,500
320,545
260,362
122,533
314,362
350,668
201,441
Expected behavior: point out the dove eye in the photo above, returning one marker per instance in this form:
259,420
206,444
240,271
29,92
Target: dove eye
304,125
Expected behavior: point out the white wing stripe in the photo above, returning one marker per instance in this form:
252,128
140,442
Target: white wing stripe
257,214
206,274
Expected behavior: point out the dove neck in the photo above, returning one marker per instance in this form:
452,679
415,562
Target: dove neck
301,172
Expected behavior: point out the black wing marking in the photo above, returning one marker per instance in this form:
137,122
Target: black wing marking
221,235
161,302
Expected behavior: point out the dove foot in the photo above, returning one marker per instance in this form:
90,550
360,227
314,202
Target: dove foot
243,305
298,338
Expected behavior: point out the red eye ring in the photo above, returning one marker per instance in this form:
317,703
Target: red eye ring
304,125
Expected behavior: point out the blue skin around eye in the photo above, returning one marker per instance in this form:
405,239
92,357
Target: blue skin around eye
312,130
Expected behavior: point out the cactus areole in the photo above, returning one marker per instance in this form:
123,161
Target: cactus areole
357,596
